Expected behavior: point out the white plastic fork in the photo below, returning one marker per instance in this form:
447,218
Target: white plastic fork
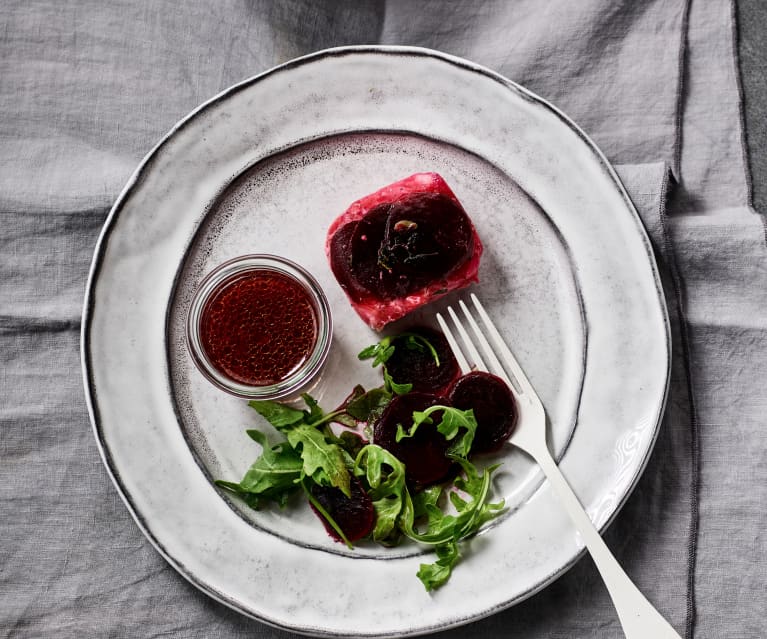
638,617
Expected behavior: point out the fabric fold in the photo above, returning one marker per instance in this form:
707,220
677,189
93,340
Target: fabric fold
86,90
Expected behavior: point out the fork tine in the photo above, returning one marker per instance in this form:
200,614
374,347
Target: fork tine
463,363
468,344
487,350
503,350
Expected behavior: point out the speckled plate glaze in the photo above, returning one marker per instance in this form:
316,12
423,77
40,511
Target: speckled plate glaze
264,167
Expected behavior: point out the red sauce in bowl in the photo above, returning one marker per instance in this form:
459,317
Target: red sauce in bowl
259,327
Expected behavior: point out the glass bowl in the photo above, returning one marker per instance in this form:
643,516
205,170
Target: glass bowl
259,327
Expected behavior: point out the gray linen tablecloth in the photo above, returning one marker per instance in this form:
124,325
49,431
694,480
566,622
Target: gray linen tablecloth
87,88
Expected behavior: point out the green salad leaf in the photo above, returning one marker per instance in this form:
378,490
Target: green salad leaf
450,424
398,511
274,476
278,415
369,406
379,352
324,462
385,475
307,433
383,350
444,530
393,387
436,574
314,414
312,455
351,443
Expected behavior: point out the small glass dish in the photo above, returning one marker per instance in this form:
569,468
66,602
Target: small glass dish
253,312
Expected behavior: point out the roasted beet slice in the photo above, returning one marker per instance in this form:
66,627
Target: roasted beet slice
424,453
416,366
355,516
494,408
338,254
364,275
401,247
427,235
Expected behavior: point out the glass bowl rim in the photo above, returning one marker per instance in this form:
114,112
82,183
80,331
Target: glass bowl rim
258,262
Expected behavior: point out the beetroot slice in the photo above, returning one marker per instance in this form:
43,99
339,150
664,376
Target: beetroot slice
424,453
417,367
355,516
427,235
494,408
359,269
403,246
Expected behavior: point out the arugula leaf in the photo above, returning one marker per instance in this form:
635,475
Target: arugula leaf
426,509
393,387
367,352
444,530
451,422
435,575
352,443
383,350
272,477
378,352
345,420
313,455
278,415
477,486
357,392
416,342
369,406
283,417
278,467
385,475
427,499
322,461
387,511
315,413
419,417
453,419
254,501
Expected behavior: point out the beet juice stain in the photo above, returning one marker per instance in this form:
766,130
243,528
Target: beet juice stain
258,328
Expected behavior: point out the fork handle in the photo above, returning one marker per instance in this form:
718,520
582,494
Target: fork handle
637,615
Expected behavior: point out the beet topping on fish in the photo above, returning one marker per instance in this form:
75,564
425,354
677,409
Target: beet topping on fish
401,247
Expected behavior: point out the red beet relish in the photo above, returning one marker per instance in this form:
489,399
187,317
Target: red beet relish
259,327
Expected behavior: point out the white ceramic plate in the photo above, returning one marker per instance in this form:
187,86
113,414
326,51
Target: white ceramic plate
264,167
